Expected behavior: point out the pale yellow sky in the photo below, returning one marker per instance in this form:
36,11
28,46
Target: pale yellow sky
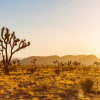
54,27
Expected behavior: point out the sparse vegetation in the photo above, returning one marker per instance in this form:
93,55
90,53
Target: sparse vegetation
57,71
55,62
69,63
14,62
68,80
33,62
87,84
18,62
30,81
97,63
32,70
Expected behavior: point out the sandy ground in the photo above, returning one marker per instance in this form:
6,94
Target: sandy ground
45,84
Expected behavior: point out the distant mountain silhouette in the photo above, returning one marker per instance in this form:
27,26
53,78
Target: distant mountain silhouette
40,60
48,60
89,60
71,57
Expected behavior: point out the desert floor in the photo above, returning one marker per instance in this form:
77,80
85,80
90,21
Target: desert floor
47,83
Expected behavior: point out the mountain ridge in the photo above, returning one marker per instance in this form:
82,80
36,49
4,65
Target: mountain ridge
48,60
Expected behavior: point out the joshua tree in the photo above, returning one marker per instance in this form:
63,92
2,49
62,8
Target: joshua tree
18,62
6,40
69,63
33,61
62,64
96,63
55,62
75,63
10,64
79,64
14,62
58,64
66,63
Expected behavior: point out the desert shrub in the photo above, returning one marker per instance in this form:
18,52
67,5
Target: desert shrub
68,68
87,84
71,68
57,71
32,70
65,69
79,68
86,69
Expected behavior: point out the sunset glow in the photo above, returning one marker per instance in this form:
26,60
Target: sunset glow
54,27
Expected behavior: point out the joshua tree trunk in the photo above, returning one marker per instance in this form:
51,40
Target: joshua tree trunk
6,70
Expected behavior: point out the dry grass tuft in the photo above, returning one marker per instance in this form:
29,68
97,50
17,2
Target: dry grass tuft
87,84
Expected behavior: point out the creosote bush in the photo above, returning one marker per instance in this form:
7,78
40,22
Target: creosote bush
87,84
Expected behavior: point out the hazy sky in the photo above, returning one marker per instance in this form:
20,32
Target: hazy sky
54,27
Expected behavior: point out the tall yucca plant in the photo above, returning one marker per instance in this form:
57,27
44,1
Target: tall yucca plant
6,40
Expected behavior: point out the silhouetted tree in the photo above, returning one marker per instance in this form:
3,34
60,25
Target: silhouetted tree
33,61
79,64
14,62
55,62
58,64
75,63
10,64
96,63
62,64
66,63
69,63
6,40
18,62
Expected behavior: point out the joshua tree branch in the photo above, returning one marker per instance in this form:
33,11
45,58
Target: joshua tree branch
19,48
